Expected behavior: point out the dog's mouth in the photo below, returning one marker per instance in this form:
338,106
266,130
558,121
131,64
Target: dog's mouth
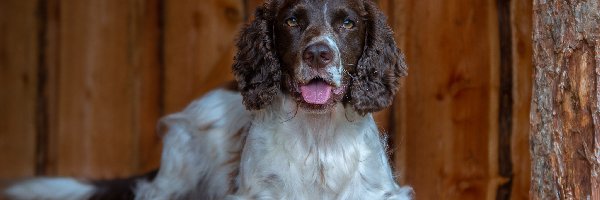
318,91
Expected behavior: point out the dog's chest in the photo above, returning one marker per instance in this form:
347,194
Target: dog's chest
294,161
311,168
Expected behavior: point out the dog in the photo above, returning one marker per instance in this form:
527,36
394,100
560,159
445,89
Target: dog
296,125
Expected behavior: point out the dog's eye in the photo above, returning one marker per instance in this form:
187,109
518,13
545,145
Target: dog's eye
292,21
348,24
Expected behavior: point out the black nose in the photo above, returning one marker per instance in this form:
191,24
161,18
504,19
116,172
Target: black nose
317,55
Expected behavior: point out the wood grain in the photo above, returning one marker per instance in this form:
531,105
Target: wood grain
19,80
449,105
521,21
145,58
199,47
103,87
92,115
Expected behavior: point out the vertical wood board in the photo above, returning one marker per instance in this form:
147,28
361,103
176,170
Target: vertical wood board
521,21
93,95
449,97
18,79
146,62
199,47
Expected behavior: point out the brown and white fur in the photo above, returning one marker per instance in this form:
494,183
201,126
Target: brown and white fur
309,73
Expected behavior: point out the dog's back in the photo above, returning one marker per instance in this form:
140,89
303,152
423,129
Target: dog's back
215,123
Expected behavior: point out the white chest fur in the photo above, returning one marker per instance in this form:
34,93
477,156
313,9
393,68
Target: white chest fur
291,154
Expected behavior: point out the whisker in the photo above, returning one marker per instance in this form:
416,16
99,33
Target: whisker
349,74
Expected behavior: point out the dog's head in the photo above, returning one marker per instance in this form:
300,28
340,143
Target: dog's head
320,52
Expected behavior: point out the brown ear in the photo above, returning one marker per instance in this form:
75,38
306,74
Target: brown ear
380,67
256,67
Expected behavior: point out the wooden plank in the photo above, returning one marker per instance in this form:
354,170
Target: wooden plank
19,53
93,104
133,48
199,47
143,62
146,60
450,97
522,72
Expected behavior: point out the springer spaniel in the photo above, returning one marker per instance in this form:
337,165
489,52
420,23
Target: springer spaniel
298,124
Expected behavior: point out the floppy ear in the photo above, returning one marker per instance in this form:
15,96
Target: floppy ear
380,66
256,67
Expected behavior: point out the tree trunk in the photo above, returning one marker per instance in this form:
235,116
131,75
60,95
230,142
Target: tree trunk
565,115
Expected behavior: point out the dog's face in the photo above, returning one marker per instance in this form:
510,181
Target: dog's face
318,43
320,52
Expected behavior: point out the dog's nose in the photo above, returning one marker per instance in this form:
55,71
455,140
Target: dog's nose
317,55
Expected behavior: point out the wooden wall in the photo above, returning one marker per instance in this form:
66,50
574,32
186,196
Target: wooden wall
83,83
463,113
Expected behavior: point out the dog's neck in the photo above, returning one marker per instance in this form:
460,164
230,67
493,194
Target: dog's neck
319,128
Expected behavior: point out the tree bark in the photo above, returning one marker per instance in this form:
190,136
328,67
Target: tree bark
565,116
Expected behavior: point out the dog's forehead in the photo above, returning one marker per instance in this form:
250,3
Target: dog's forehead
325,5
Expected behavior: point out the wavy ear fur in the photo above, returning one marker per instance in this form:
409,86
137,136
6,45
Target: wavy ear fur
380,67
256,67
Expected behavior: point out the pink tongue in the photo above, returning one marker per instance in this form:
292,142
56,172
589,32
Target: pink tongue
316,92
